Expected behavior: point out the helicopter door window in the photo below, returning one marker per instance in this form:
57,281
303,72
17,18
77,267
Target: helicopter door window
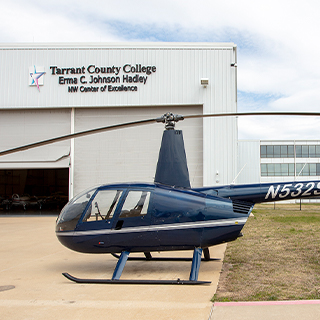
103,205
136,204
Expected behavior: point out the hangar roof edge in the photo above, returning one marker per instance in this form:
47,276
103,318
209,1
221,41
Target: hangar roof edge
120,45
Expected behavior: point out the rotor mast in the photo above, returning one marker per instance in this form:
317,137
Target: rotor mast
170,119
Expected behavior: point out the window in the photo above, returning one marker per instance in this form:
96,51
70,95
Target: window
287,151
291,151
264,170
308,169
291,169
276,151
287,169
302,169
312,169
299,151
269,151
136,204
271,169
277,169
312,151
284,151
263,151
103,205
305,151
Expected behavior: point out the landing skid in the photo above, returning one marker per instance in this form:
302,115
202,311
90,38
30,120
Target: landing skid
193,279
120,281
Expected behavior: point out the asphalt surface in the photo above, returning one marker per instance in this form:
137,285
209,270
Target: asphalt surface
32,286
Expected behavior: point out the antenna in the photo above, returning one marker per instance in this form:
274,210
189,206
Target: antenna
234,180
301,170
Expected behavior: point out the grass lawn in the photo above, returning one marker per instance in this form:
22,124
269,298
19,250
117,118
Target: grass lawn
277,259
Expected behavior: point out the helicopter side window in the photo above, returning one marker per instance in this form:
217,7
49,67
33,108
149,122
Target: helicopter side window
136,204
103,205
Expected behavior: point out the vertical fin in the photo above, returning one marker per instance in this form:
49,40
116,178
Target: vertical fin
172,166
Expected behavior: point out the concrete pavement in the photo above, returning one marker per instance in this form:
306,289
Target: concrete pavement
266,310
32,260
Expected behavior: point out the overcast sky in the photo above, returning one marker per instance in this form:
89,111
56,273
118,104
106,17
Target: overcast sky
278,45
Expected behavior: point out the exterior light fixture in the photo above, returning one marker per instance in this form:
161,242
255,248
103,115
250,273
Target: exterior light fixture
204,82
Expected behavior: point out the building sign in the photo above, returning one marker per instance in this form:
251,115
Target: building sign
36,76
93,78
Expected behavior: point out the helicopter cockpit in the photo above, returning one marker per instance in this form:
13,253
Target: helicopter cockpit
72,211
100,204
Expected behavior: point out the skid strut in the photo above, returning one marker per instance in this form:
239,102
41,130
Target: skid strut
195,267
193,279
120,265
149,257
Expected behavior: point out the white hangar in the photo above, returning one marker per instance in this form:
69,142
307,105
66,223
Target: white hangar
49,90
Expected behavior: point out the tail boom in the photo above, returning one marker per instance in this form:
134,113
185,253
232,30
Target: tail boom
267,192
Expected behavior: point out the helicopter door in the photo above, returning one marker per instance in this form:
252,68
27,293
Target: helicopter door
131,228
103,207
134,212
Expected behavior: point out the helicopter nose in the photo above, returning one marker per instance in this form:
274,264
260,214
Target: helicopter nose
66,239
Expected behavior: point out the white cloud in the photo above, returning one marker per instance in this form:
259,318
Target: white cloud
278,47
27,22
279,128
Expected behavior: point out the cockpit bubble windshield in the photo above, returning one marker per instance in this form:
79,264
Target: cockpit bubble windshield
73,210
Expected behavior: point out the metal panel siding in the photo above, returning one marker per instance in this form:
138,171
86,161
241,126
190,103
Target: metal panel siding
176,81
220,135
249,156
130,154
20,127
180,66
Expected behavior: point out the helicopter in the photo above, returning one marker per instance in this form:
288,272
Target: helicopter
167,215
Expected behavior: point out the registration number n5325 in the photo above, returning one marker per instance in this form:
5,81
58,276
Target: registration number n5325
293,190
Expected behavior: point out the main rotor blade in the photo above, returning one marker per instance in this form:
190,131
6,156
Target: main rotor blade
76,135
147,121
263,113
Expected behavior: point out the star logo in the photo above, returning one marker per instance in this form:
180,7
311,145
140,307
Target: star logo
36,78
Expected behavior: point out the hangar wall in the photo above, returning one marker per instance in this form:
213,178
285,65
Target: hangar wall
24,126
130,154
98,84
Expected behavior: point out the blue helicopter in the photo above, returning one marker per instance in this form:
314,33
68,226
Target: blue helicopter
166,215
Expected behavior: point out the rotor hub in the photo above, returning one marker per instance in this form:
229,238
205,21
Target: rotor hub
170,119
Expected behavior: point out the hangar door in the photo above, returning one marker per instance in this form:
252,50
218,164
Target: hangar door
37,177
130,155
